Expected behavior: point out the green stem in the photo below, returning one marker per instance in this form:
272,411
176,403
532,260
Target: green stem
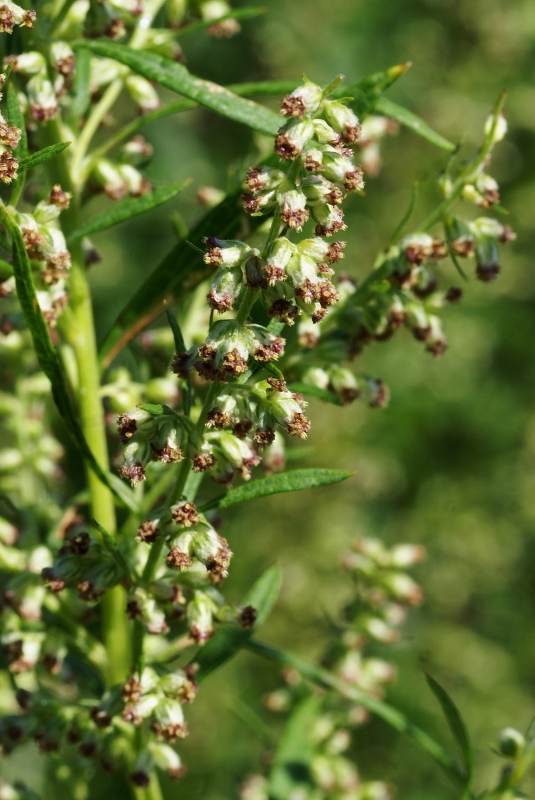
80,334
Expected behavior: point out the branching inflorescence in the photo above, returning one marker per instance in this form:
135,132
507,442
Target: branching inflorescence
290,325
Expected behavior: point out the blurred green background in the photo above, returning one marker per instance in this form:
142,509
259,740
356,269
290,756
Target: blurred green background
451,462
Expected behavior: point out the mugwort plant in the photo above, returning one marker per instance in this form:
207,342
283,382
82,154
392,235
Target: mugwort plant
113,593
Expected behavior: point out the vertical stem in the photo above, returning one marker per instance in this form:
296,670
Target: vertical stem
78,328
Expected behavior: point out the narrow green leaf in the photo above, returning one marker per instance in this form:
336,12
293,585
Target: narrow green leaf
413,122
45,352
6,270
121,212
156,409
81,93
315,391
241,13
291,767
43,155
180,344
367,91
326,680
231,639
292,481
178,79
456,724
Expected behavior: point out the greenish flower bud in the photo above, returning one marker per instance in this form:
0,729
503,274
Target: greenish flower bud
225,289
315,376
144,609
225,252
324,134
339,168
511,743
318,190
293,208
344,384
165,758
109,178
329,219
342,119
30,63
320,250
261,179
136,152
214,10
293,137
142,92
42,97
500,128
306,99
200,613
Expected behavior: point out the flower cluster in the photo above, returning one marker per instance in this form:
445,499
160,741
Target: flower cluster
383,589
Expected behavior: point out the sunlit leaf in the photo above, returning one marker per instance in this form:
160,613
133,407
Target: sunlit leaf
178,79
292,481
412,121
316,391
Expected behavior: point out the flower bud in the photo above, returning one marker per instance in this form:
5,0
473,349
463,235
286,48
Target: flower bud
62,57
144,609
108,176
225,252
511,743
199,615
293,208
318,190
225,289
500,128
306,99
136,152
278,259
292,138
42,97
12,14
341,169
329,219
214,10
324,134
142,93
342,119
344,384
260,179
167,759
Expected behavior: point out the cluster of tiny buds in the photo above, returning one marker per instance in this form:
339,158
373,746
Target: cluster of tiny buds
9,139
12,14
322,171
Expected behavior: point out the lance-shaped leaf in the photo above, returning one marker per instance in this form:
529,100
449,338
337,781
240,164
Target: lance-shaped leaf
48,358
456,724
368,90
81,82
396,719
292,481
43,155
121,212
412,121
291,766
178,79
229,640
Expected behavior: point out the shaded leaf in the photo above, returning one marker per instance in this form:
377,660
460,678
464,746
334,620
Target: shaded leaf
43,155
230,640
326,680
180,272
178,79
315,391
16,117
47,356
412,121
120,212
81,94
292,481
456,724
180,345
291,766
